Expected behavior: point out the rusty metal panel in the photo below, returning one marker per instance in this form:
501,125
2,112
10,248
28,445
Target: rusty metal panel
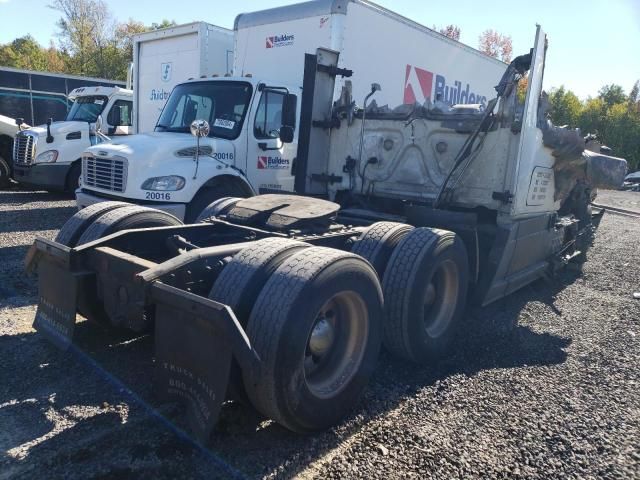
193,354
56,314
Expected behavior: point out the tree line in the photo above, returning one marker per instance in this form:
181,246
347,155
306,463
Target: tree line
91,42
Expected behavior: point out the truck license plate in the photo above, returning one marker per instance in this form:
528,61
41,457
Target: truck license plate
56,314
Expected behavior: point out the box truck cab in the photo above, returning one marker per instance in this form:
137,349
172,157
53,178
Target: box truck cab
48,156
243,152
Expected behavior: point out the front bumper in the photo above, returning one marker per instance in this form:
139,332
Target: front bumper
84,198
52,176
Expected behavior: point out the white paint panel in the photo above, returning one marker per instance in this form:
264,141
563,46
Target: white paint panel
399,56
161,65
167,57
533,157
379,46
276,51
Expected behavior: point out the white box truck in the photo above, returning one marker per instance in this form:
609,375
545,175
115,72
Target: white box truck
166,57
243,153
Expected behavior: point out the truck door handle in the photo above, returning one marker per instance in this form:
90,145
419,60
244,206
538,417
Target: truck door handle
263,146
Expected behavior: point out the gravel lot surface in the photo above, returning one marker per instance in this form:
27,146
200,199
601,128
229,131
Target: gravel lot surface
546,385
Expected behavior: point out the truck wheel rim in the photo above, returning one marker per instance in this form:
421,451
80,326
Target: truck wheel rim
440,298
336,344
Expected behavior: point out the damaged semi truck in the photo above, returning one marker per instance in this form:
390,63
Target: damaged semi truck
403,216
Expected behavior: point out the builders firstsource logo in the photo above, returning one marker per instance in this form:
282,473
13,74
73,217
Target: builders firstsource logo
420,85
272,163
279,41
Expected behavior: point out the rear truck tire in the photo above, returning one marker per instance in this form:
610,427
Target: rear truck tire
425,290
316,327
5,174
132,216
73,228
73,176
239,285
217,207
205,197
377,243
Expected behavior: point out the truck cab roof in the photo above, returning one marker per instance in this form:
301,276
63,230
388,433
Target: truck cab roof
106,91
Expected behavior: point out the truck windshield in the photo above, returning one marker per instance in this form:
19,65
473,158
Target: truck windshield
222,104
87,109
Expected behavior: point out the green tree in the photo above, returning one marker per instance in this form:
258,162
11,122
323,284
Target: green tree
565,107
612,94
24,52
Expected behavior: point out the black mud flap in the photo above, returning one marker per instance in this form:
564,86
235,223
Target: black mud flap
195,339
56,314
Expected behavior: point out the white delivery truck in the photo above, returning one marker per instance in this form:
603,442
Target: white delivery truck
243,153
48,156
165,57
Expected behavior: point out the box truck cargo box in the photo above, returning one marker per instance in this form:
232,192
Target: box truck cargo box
164,58
411,62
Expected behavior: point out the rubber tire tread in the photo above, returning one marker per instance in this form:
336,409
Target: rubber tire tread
217,207
133,216
239,285
281,296
206,197
241,280
408,261
73,228
376,245
5,173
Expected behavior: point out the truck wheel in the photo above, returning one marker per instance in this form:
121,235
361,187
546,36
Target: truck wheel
377,243
80,221
316,326
239,284
206,197
425,290
124,218
5,174
72,177
218,207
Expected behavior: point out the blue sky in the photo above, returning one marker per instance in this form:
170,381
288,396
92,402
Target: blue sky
591,42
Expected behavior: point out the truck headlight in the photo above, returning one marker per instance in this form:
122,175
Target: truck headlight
167,184
49,156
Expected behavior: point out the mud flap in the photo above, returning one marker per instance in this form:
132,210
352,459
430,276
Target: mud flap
56,314
194,342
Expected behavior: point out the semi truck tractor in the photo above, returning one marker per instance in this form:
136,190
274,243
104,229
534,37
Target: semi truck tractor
34,97
48,156
244,153
7,131
401,216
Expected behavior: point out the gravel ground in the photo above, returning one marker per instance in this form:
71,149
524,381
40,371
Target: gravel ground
546,385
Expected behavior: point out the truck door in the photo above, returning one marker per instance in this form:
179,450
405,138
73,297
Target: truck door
534,176
269,161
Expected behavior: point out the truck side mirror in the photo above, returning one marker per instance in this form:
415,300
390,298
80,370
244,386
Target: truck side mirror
286,134
289,104
115,116
289,109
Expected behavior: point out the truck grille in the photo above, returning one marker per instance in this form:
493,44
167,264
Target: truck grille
105,173
24,149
